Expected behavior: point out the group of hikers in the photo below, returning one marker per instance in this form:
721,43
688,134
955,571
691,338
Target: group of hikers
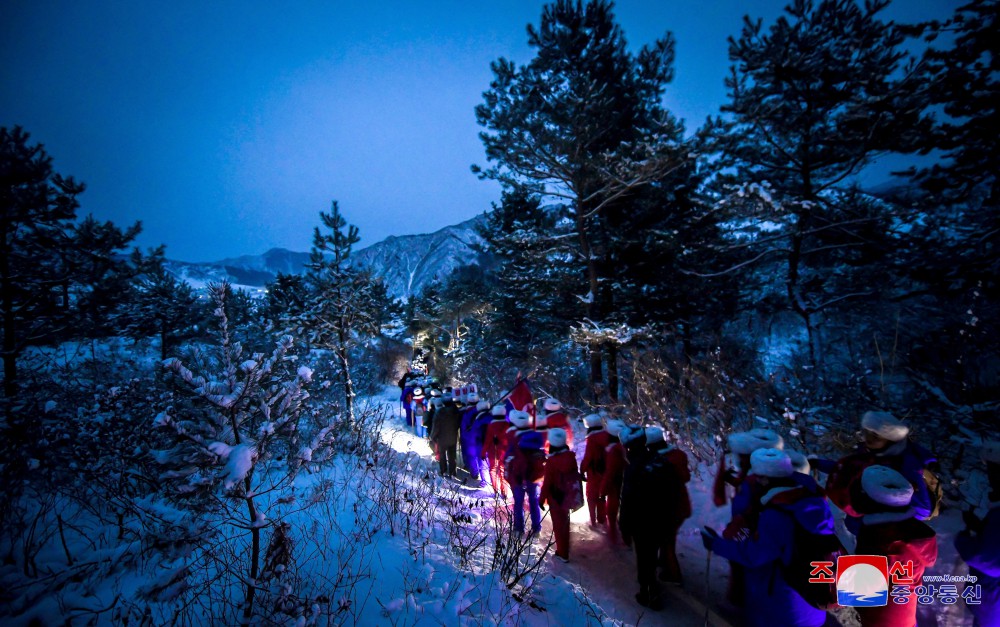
783,536
782,523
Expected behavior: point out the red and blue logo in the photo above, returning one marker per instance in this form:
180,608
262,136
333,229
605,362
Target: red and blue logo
862,580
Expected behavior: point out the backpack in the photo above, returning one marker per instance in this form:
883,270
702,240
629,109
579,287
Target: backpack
808,547
525,466
936,489
572,487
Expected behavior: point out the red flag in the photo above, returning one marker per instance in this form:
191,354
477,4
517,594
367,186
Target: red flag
519,398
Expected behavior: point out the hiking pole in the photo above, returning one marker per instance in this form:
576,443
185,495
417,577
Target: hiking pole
708,584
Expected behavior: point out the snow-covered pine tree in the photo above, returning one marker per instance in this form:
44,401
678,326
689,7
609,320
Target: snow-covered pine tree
233,443
533,276
159,304
583,122
285,300
963,80
813,99
48,262
97,277
345,304
953,261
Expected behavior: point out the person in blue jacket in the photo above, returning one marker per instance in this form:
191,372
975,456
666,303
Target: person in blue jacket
474,423
785,503
979,546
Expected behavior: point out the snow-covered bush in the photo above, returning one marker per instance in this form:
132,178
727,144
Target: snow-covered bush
697,399
229,456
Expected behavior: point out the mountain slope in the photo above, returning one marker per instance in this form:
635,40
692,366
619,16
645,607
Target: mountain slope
407,263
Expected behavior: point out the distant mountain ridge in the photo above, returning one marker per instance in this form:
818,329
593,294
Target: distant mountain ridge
405,262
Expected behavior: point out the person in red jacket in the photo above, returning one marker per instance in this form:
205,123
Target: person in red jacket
593,466
494,447
553,416
885,442
889,527
614,473
560,488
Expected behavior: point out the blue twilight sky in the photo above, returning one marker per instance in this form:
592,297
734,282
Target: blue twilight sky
226,127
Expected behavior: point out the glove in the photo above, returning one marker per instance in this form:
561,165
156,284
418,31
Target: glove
708,537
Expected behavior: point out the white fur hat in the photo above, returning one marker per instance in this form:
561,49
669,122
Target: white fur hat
437,401
654,434
520,419
770,462
615,427
991,452
482,406
557,437
630,433
499,410
592,420
799,462
885,425
746,442
471,397
886,486
551,404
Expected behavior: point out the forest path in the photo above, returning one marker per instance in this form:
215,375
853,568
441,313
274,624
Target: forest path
605,572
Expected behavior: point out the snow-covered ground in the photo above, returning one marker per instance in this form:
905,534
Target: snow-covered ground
387,542
596,587
601,577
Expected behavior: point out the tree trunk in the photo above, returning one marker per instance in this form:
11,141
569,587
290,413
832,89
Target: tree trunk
592,309
346,372
613,372
254,552
596,374
9,335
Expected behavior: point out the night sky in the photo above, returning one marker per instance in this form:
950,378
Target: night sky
226,127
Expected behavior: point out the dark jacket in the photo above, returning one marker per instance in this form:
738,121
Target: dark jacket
633,501
656,496
447,421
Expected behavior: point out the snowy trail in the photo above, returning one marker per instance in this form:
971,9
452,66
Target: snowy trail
606,573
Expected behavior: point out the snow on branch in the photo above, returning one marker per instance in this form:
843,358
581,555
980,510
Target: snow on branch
590,333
